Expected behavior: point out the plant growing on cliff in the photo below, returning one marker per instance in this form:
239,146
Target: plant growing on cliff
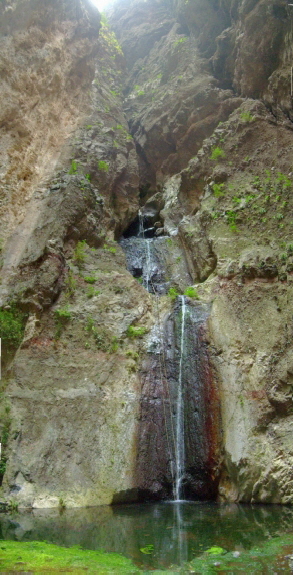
91,292
103,340
103,166
63,313
73,168
218,190
231,219
191,292
62,316
90,279
217,153
70,284
180,41
79,255
12,323
173,293
110,249
133,331
4,440
247,117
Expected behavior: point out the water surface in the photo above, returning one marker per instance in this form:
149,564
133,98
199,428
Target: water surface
154,535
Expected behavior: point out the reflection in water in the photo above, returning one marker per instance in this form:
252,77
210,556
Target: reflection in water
177,531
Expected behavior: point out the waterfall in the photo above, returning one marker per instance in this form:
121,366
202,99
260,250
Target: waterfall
148,265
179,418
179,436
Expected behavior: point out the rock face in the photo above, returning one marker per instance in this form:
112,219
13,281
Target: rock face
178,450
190,120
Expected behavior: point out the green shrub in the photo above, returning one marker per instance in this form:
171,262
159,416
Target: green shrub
110,249
218,190
70,284
103,166
284,180
247,117
63,313
101,337
79,255
191,292
231,219
131,353
217,153
90,279
91,292
4,440
73,168
173,293
11,326
133,331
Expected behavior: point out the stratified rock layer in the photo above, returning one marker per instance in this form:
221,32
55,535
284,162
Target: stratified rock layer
191,118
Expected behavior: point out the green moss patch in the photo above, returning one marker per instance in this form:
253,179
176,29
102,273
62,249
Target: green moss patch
41,557
11,326
272,557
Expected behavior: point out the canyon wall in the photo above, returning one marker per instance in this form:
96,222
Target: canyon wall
181,108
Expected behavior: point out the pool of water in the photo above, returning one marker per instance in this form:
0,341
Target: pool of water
154,535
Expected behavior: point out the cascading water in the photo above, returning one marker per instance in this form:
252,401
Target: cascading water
179,437
178,442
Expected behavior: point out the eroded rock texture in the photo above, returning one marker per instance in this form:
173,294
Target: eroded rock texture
187,114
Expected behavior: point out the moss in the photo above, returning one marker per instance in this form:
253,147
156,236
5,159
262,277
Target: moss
103,166
272,557
217,153
133,331
38,557
191,292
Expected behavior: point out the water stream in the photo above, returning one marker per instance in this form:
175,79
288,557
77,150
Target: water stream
179,438
176,459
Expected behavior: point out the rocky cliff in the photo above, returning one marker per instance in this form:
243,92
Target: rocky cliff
184,110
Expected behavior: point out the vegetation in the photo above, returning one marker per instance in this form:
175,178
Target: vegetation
173,293
91,292
79,255
103,340
73,168
247,117
4,441
70,284
12,322
267,558
218,190
63,313
12,506
103,166
261,199
62,504
217,153
110,249
180,41
90,279
40,557
133,331
191,292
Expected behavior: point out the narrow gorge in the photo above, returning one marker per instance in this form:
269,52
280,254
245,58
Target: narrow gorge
146,251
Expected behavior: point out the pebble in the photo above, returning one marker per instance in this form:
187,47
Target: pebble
236,554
